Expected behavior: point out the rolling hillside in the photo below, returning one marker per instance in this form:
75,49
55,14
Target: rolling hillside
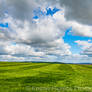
45,77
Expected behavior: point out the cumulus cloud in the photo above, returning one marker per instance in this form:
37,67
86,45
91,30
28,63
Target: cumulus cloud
39,38
42,39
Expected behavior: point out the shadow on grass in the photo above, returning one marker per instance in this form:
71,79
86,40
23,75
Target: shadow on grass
34,66
86,66
13,64
42,78
66,75
23,68
66,67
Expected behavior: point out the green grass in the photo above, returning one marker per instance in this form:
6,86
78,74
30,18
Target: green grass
45,77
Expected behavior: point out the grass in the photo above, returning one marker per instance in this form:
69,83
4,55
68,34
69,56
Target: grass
45,77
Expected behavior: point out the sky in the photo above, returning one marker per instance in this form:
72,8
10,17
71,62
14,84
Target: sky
46,30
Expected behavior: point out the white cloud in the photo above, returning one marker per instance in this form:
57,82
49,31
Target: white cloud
45,36
77,58
86,46
81,29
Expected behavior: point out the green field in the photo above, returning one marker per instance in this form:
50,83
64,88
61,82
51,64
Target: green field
45,77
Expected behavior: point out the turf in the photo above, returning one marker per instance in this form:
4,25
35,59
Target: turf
45,77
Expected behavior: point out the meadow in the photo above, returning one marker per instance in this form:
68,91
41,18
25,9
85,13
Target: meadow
45,77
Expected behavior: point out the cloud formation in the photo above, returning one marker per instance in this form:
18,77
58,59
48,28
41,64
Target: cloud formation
44,36
35,29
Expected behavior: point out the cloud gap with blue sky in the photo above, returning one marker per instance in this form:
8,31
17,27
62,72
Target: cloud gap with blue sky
48,12
4,25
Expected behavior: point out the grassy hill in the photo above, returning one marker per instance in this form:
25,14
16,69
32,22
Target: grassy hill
45,77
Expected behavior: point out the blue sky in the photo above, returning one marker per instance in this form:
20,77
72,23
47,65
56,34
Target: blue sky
4,25
70,39
38,12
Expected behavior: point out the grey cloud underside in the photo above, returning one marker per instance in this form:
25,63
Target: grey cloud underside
18,9
2,9
80,10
